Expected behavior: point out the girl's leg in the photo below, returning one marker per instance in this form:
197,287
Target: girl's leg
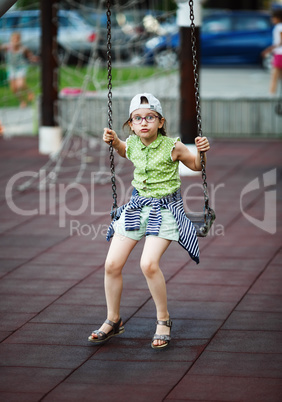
279,84
118,253
274,80
13,86
153,250
17,86
21,91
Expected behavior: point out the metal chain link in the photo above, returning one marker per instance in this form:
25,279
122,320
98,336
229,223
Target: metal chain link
197,99
110,112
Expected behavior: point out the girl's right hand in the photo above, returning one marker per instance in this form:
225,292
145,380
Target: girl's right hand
110,135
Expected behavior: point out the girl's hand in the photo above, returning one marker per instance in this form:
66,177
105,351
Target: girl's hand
110,135
118,145
265,52
35,59
202,144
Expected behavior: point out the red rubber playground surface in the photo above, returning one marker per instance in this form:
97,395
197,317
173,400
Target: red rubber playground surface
226,312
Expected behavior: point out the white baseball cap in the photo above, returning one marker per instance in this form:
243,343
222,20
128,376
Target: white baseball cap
153,103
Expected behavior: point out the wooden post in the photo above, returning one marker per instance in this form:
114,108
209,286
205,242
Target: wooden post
188,116
5,5
49,65
49,134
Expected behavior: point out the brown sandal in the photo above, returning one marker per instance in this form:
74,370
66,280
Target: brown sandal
165,338
102,337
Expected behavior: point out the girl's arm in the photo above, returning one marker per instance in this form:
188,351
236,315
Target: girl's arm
30,56
118,145
182,153
269,49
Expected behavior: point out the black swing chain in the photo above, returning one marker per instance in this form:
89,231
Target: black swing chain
110,117
197,99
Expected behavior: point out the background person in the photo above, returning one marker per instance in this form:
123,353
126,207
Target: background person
17,57
276,49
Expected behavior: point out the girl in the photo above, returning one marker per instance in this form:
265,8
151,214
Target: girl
155,210
16,60
276,48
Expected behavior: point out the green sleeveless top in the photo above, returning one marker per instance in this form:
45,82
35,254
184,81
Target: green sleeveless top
16,60
155,174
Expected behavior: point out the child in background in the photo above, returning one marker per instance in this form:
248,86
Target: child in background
276,49
155,211
17,57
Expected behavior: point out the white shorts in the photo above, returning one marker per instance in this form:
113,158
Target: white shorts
15,73
168,229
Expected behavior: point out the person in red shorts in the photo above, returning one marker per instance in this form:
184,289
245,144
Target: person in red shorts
276,49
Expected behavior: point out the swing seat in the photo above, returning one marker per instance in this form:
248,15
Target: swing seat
202,221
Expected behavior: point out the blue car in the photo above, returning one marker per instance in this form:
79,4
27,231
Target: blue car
234,37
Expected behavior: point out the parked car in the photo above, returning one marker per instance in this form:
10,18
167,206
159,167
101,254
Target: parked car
120,39
75,36
234,37
130,29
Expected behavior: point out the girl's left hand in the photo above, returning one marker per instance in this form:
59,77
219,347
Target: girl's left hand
202,144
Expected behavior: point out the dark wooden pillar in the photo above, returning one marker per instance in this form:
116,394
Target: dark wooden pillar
188,116
49,65
5,5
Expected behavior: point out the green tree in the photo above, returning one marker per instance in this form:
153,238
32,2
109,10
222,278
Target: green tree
28,4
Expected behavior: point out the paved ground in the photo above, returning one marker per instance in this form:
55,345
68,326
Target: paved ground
226,312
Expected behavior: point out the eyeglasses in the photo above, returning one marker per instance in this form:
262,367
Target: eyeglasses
150,118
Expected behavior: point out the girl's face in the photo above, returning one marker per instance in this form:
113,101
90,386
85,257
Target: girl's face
275,20
15,39
146,123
